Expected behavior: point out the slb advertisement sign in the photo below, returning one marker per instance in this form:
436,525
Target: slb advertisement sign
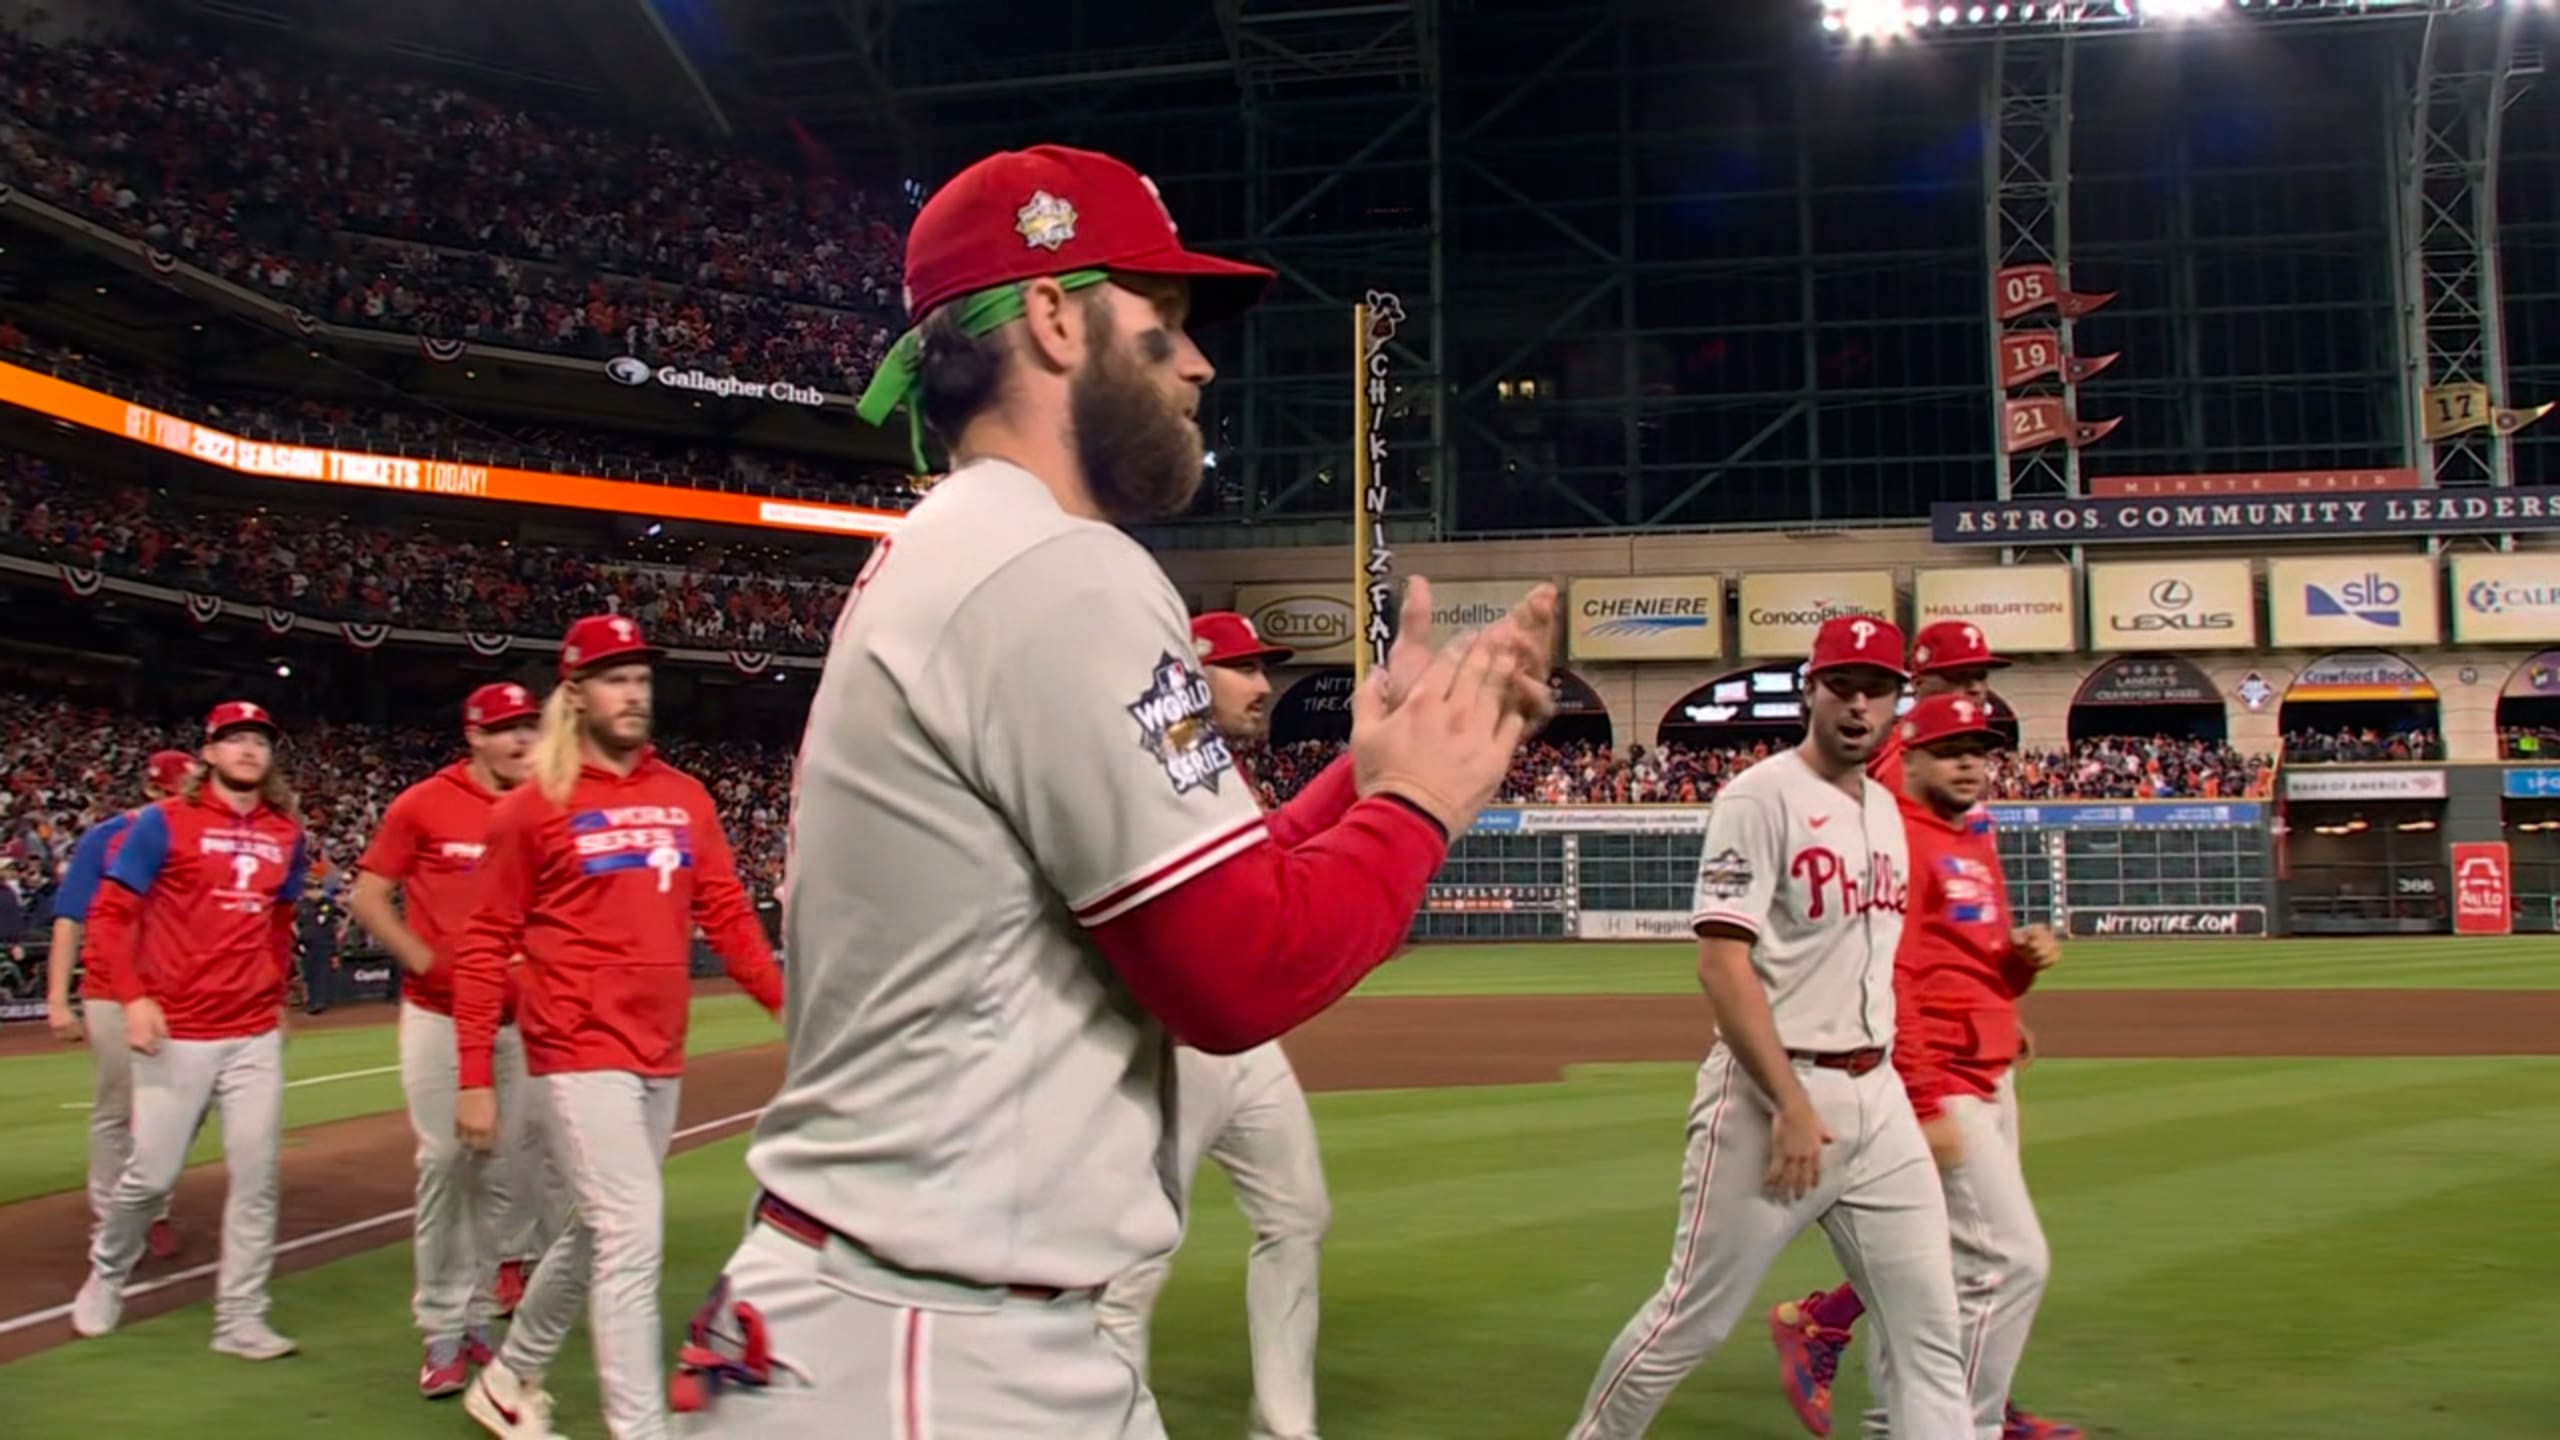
2172,605
2483,900
1782,610
2020,609
2330,600
2502,598
1656,617
1312,618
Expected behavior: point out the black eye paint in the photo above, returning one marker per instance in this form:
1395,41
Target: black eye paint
1156,345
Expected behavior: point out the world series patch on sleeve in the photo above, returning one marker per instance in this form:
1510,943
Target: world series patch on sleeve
1725,875
1173,725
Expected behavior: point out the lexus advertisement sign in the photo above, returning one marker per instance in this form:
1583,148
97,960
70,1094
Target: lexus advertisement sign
2172,605
2172,921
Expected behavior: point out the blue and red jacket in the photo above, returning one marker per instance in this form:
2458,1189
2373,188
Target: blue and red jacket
197,914
80,881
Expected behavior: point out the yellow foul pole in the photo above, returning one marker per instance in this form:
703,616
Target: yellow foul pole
1363,538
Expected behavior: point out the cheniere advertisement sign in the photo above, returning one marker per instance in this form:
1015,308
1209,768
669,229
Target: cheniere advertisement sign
452,479
1650,617
2326,517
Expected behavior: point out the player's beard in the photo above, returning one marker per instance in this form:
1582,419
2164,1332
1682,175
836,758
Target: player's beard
613,736
1140,455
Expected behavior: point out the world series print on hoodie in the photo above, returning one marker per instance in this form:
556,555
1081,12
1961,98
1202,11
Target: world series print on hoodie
197,914
601,897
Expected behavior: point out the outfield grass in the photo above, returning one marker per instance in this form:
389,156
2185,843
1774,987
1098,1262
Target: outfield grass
2523,962
2307,1249
345,1071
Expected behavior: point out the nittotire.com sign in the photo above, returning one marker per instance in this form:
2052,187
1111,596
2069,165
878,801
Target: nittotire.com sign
2169,922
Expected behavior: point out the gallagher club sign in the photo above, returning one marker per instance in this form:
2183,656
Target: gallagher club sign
2438,512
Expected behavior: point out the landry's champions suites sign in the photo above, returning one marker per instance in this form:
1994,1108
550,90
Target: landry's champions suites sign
2311,517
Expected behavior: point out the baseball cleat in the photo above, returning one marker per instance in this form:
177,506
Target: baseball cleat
511,1283
97,1308
443,1372
162,1238
1808,1356
507,1406
2022,1426
476,1351
252,1340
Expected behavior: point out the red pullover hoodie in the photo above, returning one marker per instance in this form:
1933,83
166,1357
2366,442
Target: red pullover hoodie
197,914
601,897
430,843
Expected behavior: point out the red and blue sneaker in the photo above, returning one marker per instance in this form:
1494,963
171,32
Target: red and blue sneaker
1808,1356
2022,1426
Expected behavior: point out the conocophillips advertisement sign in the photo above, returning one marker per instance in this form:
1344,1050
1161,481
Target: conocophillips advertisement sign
2020,609
1663,617
1313,619
1781,612
2506,597
2172,605
2353,600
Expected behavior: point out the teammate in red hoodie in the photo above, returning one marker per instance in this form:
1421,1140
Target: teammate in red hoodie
597,873
477,1217
195,925
1957,1039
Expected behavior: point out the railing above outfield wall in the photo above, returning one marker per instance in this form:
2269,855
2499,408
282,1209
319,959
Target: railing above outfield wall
2123,867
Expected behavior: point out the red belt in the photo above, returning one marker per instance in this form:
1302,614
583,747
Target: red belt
1856,1062
813,1232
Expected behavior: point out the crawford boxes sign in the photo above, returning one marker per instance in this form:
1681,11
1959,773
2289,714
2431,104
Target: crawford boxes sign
2324,517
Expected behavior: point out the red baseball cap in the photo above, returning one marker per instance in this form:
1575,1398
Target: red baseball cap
491,706
233,715
169,770
601,640
1223,637
1021,214
1952,645
1944,717
1846,640
1017,215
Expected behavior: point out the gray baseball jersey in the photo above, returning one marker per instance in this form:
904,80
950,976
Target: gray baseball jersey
1820,880
1010,743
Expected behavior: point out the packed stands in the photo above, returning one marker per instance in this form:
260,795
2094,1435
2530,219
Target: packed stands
390,204
2360,745
2529,742
2153,767
387,425
329,567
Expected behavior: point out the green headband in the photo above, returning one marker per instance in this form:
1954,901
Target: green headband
979,313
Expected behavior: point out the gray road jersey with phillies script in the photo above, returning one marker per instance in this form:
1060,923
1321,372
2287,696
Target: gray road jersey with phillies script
1822,880
1010,742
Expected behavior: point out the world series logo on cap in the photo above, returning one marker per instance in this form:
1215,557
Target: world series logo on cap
1045,223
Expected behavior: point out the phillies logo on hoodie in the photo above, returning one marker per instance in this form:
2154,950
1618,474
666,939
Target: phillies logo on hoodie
635,837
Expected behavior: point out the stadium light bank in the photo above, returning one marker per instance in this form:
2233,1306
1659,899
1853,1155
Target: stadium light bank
1887,21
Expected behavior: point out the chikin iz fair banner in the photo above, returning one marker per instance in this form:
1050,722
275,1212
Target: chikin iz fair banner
143,425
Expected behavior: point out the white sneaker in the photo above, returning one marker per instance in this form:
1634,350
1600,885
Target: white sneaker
507,1406
252,1340
97,1308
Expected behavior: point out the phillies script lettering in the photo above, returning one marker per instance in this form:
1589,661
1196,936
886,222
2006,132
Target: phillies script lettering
1878,886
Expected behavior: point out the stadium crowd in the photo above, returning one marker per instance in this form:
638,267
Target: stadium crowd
391,204
329,567
388,424
1586,773
2361,745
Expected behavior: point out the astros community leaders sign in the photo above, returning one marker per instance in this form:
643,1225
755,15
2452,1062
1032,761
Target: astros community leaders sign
2095,522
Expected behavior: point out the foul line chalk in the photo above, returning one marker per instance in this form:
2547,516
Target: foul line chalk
289,1084
323,1237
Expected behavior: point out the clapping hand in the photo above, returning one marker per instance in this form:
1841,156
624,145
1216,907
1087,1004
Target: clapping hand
1527,635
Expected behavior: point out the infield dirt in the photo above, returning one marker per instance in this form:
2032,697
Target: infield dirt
351,1171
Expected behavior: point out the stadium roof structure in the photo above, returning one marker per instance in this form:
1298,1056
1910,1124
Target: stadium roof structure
1939,20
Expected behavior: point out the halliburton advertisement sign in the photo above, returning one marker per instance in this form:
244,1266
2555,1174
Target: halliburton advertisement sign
2482,898
2021,609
